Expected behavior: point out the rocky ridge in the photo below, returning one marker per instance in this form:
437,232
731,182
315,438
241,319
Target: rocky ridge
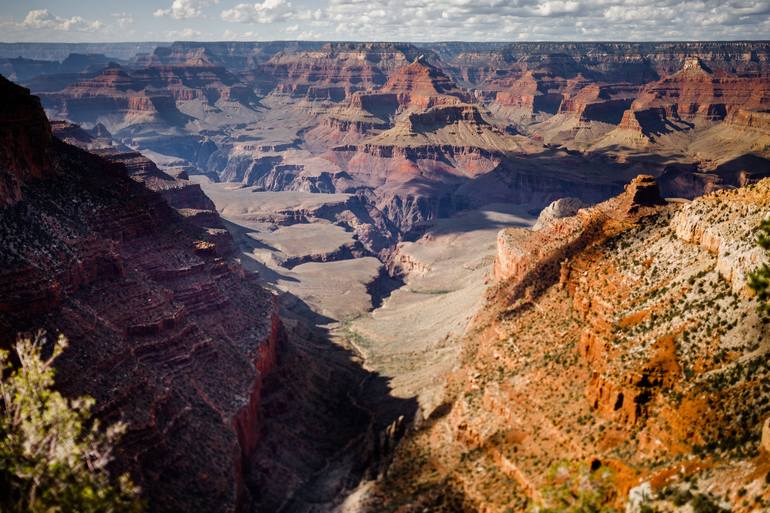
166,332
620,349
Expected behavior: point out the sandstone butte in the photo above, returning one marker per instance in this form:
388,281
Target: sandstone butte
408,126
623,336
164,330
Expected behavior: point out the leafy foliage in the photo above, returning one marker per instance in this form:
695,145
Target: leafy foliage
53,455
577,488
759,280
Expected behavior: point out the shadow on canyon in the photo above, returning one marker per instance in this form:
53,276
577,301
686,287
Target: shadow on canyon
529,182
328,422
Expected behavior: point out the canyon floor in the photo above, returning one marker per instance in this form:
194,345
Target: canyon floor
404,330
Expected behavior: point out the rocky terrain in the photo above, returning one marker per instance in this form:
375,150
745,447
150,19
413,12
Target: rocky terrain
307,251
166,332
322,116
618,361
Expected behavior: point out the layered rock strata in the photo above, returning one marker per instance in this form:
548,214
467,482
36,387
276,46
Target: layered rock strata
166,333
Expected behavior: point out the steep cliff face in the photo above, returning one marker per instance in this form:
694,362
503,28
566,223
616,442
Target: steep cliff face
694,94
337,69
604,103
619,352
178,192
751,120
165,332
422,85
26,136
122,96
532,93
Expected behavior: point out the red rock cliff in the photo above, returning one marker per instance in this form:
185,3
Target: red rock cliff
164,333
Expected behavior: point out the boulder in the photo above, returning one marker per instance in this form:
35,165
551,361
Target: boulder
562,207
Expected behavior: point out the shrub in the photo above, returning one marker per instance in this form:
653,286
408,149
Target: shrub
53,455
703,504
759,280
578,488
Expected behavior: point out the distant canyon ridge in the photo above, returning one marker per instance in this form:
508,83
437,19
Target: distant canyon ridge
419,131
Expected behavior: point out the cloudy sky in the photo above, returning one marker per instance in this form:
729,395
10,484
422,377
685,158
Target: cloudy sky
386,20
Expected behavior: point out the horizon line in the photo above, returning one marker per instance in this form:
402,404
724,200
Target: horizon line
364,41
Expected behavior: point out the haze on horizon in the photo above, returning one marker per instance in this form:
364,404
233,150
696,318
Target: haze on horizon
383,20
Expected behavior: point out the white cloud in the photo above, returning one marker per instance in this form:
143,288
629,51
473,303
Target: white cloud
553,8
185,34
557,20
309,15
417,20
123,20
185,9
308,35
230,35
267,11
43,19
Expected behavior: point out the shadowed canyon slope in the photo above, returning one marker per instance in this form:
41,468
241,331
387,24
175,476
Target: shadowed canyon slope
352,277
165,332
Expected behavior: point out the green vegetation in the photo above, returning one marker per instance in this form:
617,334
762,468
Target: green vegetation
53,455
578,488
759,280
703,504
700,502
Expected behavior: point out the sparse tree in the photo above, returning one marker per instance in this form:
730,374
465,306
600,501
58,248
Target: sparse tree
759,280
53,454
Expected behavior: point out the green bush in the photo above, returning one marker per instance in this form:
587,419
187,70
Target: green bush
703,504
574,487
53,455
759,280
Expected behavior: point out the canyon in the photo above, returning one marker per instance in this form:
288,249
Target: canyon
351,277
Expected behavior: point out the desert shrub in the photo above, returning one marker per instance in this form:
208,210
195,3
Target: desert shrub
578,488
53,454
703,504
759,280
681,497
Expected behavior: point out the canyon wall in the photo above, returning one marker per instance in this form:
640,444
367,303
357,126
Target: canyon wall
619,352
166,332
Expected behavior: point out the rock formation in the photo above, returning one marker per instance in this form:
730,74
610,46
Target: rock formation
368,117
337,69
120,97
166,333
562,207
620,338
422,85
694,94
